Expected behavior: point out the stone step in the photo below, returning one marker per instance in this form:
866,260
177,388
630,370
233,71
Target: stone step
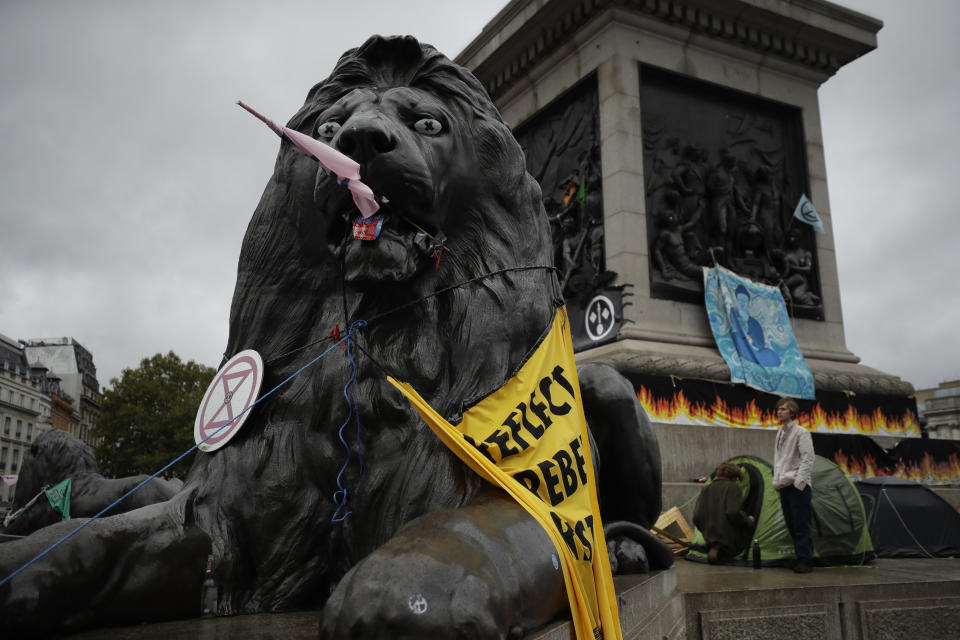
650,606
892,599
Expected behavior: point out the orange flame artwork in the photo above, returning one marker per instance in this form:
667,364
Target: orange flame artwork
929,471
860,468
677,408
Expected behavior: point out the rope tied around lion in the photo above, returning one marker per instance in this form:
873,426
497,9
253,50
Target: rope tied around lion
347,336
19,512
349,391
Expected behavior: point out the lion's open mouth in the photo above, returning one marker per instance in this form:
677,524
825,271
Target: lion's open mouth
402,246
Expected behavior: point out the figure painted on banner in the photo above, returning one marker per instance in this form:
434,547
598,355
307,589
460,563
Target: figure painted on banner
797,268
719,514
724,200
792,479
669,249
751,344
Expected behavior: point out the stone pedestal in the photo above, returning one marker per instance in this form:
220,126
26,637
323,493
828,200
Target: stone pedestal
651,608
765,58
894,598
533,52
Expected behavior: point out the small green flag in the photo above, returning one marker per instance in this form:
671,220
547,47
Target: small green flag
582,191
59,497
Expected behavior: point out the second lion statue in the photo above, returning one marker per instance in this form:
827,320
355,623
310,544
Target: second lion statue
454,294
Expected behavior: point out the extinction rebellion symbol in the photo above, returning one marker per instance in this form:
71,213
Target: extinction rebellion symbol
235,387
599,318
808,213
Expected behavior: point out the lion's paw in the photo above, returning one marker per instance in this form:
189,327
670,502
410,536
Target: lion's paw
627,556
414,596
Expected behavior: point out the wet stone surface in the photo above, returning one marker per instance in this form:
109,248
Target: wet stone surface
296,625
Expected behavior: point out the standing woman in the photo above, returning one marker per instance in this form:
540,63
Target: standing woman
792,469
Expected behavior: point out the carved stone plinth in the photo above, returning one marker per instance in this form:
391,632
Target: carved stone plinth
698,123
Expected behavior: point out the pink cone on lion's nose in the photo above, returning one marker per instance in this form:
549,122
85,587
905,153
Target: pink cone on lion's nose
344,169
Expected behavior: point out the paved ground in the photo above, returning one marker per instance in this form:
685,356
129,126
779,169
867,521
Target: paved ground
692,577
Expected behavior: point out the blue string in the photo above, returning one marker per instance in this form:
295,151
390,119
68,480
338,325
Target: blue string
56,544
340,495
356,413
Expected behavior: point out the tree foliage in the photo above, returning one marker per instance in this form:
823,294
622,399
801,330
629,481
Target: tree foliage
147,416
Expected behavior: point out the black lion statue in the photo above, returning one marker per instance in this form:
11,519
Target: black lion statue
451,297
55,456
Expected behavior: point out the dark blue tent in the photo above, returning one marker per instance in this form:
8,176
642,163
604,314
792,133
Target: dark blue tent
908,520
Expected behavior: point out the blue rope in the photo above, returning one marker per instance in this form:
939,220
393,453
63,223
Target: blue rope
356,413
346,338
349,389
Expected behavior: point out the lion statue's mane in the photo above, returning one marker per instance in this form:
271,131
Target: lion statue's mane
267,499
335,493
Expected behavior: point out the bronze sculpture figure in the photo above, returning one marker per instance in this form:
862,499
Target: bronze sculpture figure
454,293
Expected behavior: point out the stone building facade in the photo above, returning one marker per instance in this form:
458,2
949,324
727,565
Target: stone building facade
941,408
25,412
44,384
73,365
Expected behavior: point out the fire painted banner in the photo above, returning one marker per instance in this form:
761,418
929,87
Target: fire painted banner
675,400
750,324
529,438
859,456
929,462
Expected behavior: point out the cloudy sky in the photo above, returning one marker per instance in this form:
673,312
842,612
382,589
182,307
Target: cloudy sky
128,175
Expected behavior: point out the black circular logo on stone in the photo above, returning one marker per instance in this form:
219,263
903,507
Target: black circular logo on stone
808,213
599,318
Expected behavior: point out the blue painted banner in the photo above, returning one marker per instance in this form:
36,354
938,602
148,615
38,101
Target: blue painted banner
753,333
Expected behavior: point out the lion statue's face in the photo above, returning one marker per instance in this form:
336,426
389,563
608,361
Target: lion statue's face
419,159
431,143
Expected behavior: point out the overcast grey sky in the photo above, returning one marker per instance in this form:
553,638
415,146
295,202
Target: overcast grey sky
128,175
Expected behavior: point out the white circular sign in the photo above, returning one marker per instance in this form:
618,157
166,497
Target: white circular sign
234,388
599,318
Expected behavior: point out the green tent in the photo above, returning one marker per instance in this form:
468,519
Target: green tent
840,531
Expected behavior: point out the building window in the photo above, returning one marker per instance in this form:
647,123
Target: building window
29,431
19,428
32,401
15,461
10,397
3,459
6,426
22,400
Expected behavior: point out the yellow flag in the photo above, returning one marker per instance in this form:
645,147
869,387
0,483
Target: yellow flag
529,438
